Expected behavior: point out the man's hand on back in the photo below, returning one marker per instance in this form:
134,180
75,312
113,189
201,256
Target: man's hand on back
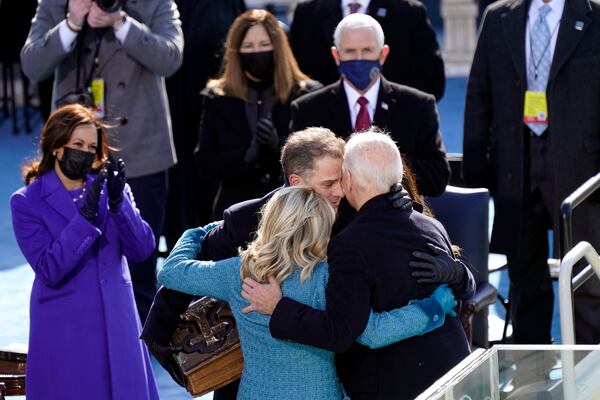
263,297
439,267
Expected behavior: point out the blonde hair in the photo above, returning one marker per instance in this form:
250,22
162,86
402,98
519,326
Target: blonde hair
233,82
293,233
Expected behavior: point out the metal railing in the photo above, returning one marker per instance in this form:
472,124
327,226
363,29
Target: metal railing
568,205
567,283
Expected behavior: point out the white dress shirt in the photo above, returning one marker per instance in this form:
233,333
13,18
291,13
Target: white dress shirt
553,19
364,6
352,96
67,36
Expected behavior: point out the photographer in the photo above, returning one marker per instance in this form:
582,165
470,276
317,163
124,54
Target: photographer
113,55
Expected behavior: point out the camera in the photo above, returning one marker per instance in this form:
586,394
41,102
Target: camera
110,6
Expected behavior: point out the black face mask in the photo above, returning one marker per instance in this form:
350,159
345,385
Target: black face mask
75,164
260,65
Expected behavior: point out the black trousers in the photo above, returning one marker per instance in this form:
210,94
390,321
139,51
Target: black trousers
150,194
532,297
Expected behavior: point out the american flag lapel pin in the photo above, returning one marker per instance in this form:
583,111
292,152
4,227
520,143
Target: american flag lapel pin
384,105
579,25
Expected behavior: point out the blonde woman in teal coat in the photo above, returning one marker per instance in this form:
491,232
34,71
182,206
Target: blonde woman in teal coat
290,246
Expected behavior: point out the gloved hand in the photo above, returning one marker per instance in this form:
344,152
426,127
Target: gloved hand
115,184
266,134
443,294
164,355
440,267
89,210
399,197
252,153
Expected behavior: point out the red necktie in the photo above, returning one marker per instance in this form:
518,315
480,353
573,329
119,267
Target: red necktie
354,7
363,120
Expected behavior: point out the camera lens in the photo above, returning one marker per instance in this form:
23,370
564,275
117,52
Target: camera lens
109,6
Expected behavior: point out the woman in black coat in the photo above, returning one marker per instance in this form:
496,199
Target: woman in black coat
246,112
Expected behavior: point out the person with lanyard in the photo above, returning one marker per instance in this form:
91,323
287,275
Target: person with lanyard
531,136
114,56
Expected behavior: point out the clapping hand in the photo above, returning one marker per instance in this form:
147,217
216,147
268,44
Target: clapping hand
91,204
115,184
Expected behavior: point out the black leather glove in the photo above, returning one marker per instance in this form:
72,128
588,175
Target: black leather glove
253,152
115,184
439,267
266,134
164,355
399,197
89,210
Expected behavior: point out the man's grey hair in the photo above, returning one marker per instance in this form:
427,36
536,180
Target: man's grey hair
356,21
373,159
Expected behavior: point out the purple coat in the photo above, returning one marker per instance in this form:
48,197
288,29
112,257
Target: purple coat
84,328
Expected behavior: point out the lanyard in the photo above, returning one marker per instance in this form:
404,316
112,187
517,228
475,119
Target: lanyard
95,60
536,65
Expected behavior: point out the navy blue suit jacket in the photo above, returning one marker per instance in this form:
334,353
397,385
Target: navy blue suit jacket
368,267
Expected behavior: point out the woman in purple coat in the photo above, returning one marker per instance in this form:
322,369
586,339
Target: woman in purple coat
77,230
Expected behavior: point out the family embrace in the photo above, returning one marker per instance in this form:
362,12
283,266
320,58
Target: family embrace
347,316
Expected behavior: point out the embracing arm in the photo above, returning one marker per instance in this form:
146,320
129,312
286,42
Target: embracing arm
415,319
441,267
347,305
52,259
182,272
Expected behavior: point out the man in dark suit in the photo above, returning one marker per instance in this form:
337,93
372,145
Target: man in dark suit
532,135
369,270
415,61
311,157
363,97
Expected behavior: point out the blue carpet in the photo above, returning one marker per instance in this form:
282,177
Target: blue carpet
14,150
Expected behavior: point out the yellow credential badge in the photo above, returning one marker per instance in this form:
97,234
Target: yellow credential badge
536,108
98,96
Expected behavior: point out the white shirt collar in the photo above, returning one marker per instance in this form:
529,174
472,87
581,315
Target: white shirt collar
553,17
352,96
